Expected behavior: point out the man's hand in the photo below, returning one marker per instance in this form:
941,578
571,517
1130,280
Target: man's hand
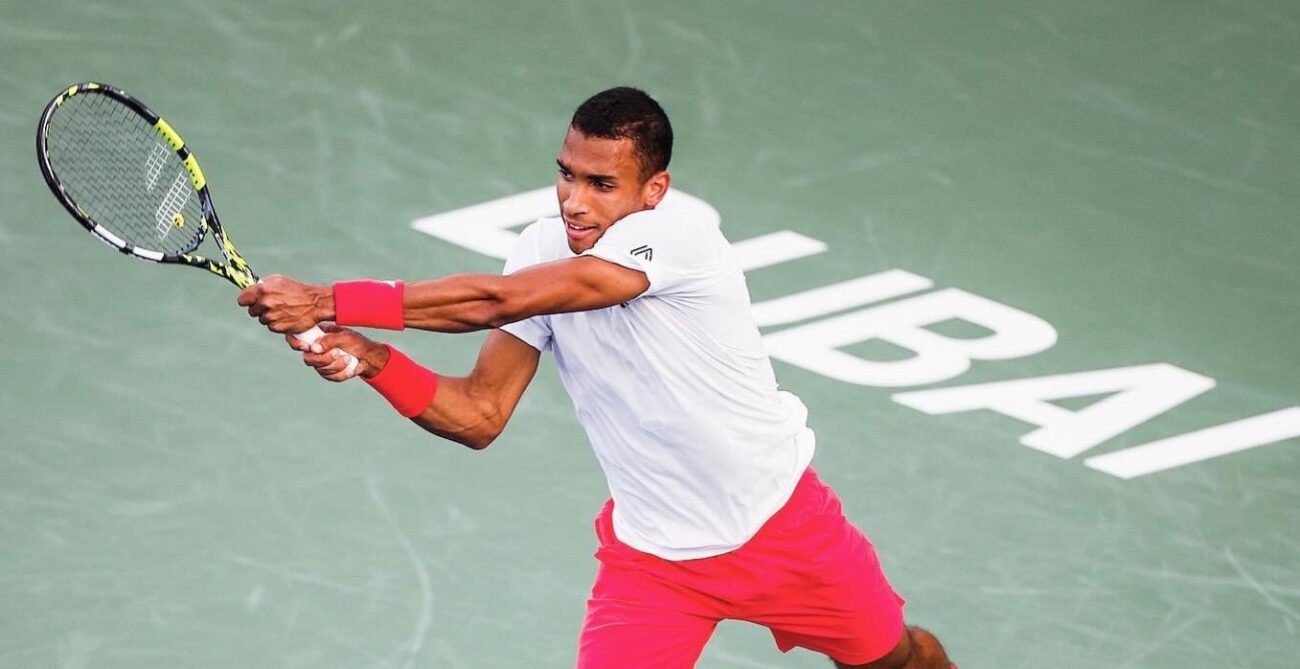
286,305
371,356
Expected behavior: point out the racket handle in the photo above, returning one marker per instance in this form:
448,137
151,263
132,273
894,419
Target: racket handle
315,333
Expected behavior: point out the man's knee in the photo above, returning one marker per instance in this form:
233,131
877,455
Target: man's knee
916,649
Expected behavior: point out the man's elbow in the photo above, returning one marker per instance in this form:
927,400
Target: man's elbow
477,436
502,313
478,442
482,435
507,306
488,315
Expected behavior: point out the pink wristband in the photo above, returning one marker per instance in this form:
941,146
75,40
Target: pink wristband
406,385
369,304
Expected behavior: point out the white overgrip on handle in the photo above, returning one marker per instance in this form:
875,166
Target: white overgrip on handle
310,336
315,333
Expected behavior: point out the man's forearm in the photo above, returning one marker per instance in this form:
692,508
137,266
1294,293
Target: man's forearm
458,415
457,303
467,302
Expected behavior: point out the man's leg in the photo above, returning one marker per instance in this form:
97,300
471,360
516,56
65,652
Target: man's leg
827,591
639,616
635,635
917,649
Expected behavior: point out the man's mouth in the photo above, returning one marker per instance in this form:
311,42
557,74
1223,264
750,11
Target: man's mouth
576,231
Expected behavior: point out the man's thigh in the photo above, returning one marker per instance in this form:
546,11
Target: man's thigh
627,633
829,592
640,615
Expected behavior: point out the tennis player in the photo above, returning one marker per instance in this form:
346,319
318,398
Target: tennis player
715,512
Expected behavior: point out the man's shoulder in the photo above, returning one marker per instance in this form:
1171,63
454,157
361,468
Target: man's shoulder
669,219
671,236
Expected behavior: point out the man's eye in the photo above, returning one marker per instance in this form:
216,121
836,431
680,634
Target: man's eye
602,185
567,176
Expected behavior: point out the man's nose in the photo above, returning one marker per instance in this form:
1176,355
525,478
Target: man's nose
574,202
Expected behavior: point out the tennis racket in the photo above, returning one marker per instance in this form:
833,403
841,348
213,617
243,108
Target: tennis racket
126,175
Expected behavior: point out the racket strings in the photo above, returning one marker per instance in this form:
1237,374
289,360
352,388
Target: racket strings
124,175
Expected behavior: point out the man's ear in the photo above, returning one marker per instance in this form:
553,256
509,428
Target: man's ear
655,188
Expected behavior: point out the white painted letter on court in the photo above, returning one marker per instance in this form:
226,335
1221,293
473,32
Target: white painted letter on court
815,346
1140,393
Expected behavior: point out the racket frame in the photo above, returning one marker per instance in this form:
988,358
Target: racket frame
234,270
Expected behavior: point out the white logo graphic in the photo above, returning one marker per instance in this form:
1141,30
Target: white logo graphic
171,205
153,166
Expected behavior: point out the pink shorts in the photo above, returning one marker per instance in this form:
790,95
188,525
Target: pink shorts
809,576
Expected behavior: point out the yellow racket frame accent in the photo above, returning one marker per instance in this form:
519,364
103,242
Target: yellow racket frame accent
191,164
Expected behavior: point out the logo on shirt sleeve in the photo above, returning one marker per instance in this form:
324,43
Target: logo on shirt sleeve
644,251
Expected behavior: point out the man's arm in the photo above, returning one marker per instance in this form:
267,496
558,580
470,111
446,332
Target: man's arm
461,302
471,410
467,302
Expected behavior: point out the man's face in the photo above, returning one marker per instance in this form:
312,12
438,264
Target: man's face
599,182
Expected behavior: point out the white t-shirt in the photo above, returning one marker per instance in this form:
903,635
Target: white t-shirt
674,388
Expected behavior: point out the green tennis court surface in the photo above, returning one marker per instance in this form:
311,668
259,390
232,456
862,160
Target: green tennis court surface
1105,190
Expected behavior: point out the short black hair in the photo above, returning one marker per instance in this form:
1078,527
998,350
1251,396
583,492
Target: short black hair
624,112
